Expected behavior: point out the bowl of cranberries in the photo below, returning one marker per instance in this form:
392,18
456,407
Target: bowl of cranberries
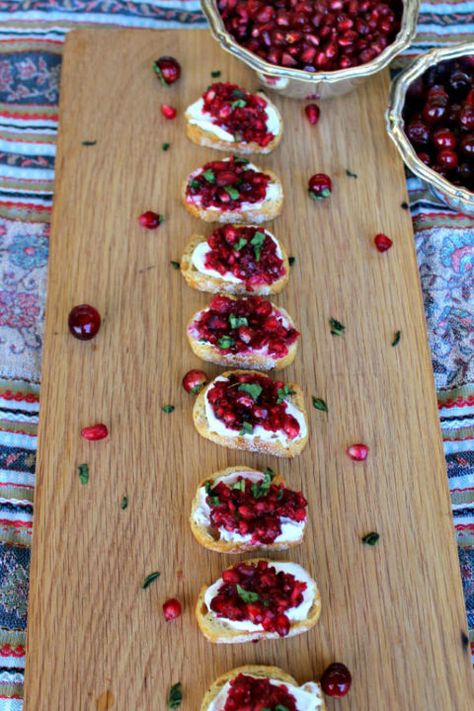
431,121
313,48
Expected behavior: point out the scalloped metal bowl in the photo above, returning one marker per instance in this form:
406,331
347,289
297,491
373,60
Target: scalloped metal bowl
300,84
460,199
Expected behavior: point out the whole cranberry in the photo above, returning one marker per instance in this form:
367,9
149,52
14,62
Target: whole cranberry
382,242
433,111
169,112
358,452
151,220
168,70
448,159
95,432
467,144
312,112
444,138
194,381
465,173
418,132
459,84
466,118
319,186
336,680
424,157
171,609
84,322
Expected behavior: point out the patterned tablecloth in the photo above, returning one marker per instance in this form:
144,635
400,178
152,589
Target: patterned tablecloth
32,33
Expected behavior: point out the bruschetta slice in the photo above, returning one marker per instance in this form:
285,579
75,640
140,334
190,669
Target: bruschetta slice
236,259
242,509
243,332
258,599
232,189
244,409
230,118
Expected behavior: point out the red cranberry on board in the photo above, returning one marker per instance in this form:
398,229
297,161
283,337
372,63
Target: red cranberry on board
95,432
168,70
169,112
336,680
84,322
319,186
171,609
312,112
358,452
151,220
194,381
382,242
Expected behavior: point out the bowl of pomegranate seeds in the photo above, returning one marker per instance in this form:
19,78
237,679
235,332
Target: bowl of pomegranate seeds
316,49
431,121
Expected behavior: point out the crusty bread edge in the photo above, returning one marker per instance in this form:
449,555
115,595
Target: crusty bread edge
245,443
203,537
261,670
268,210
250,361
204,282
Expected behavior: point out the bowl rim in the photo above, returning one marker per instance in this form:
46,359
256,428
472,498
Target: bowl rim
395,123
402,40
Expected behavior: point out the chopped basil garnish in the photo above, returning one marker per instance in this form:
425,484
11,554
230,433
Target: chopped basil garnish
239,104
175,265
247,595
350,174
238,94
215,501
283,394
208,487
83,473
240,159
239,485
319,404
291,261
337,329
240,244
88,143
404,205
396,339
165,146
261,488
371,539
209,175
252,389
150,579
168,408
280,495
247,428
232,192
194,183
175,696
225,342
237,321
280,707
257,243
216,73
124,503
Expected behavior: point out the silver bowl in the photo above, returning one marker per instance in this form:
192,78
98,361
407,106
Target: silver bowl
301,84
460,199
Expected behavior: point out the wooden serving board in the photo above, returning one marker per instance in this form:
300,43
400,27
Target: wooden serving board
393,613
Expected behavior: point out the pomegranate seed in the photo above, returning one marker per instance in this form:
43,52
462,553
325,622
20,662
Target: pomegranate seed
84,322
336,680
194,381
312,112
382,242
95,432
319,186
358,452
151,220
171,609
168,70
169,112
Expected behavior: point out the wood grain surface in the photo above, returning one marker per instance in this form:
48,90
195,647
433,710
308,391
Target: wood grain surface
393,613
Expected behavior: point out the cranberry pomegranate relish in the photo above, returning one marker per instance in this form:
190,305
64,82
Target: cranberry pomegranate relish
263,594
237,111
227,184
244,325
248,253
252,693
251,505
252,403
439,119
315,36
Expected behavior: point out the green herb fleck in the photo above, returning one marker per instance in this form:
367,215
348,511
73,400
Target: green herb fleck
215,501
216,73
88,143
209,175
283,394
84,473
232,192
240,244
237,321
404,205
291,261
337,329
240,159
371,539
239,485
175,265
350,174
261,488
247,595
208,487
396,338
257,243
238,94
165,146
239,104
280,495
194,183
124,503
280,707
168,409
175,696
158,73
150,579
319,404
270,472
247,428
252,389
225,342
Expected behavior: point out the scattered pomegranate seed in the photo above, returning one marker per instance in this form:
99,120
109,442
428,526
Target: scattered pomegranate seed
84,322
336,680
169,112
382,242
168,70
171,609
95,432
358,452
312,112
194,381
319,186
151,220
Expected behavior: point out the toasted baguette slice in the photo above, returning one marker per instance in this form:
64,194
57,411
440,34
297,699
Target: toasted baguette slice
267,209
252,359
250,442
220,630
203,129
261,672
219,284
211,539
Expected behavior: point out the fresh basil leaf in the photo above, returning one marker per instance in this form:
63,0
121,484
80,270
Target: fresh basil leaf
237,321
175,696
225,342
247,595
83,473
240,244
232,192
247,428
209,175
252,389
150,579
